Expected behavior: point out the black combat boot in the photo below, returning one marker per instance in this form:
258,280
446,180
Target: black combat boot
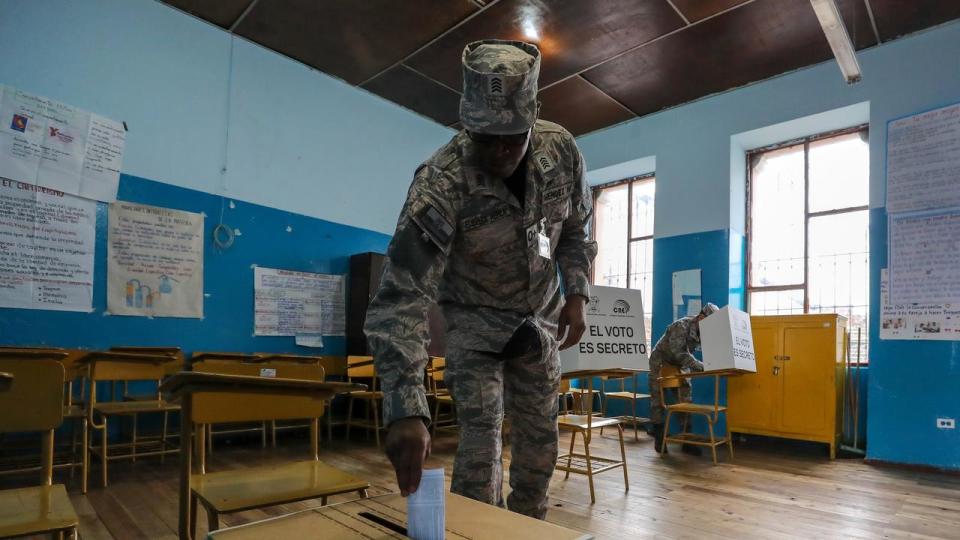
691,449
657,433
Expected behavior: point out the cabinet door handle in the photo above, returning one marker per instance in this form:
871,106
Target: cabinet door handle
776,370
784,357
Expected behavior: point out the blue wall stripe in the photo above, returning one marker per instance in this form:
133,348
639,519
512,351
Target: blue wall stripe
911,383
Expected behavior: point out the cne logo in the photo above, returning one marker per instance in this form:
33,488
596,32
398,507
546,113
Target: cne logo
621,307
19,123
495,86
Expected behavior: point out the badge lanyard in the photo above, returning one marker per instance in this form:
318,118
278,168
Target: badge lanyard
536,236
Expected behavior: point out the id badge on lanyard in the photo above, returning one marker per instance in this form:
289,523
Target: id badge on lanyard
536,237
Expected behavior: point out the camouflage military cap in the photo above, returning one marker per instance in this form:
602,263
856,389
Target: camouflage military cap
499,86
709,309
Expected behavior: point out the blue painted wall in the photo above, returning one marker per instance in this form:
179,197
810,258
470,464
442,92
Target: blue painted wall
218,114
312,245
698,150
911,384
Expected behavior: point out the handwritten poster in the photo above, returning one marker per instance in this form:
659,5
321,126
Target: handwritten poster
925,257
46,248
289,303
154,262
916,321
58,146
923,161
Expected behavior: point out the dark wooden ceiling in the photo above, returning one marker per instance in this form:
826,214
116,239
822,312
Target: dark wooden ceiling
604,61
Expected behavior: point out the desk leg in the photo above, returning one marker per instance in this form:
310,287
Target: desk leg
186,450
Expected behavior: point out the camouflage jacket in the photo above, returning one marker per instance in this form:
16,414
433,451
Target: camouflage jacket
465,242
676,346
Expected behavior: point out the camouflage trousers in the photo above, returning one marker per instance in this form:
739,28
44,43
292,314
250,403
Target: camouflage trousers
521,382
681,394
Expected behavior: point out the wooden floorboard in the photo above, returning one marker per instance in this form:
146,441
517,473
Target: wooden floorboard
770,490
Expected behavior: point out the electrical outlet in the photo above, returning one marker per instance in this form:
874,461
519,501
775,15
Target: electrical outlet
946,423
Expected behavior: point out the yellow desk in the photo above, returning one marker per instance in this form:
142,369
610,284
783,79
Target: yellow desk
386,517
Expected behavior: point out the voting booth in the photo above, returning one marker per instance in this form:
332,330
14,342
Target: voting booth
615,336
726,338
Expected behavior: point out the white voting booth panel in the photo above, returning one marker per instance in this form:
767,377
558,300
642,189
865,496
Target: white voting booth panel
726,338
615,335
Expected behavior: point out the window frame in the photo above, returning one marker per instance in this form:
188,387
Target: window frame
639,179
807,214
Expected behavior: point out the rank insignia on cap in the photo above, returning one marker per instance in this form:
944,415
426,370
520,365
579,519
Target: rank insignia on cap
495,86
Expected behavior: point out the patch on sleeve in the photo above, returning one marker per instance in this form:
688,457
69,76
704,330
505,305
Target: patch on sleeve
435,226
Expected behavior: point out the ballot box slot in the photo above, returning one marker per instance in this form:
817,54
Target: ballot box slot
383,522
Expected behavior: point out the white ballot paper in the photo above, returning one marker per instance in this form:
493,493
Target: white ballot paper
425,507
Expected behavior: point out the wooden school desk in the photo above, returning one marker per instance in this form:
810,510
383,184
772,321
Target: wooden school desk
386,517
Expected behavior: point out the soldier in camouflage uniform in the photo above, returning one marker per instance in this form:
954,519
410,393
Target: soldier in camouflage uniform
676,348
493,229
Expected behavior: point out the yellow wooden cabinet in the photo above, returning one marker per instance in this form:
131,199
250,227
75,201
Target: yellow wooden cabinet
797,390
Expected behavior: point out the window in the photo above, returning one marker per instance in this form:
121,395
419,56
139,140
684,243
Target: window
623,228
808,230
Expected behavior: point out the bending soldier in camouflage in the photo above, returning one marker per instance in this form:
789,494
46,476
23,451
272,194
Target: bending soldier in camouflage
676,348
488,221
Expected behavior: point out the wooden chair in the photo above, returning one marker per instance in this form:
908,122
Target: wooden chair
74,373
441,396
361,367
211,433
113,367
332,366
295,359
585,463
624,395
202,356
672,378
175,365
33,388
270,361
583,398
208,398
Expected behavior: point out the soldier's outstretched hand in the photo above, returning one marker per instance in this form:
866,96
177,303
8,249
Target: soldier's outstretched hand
408,447
571,321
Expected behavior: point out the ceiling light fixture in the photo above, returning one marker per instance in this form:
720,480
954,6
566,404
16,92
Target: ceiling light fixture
837,37
530,30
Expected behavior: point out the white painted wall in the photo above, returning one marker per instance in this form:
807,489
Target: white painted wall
299,140
692,143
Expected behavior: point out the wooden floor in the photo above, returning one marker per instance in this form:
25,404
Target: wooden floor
771,490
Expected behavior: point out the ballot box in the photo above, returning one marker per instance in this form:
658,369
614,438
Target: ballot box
615,336
386,516
727,341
